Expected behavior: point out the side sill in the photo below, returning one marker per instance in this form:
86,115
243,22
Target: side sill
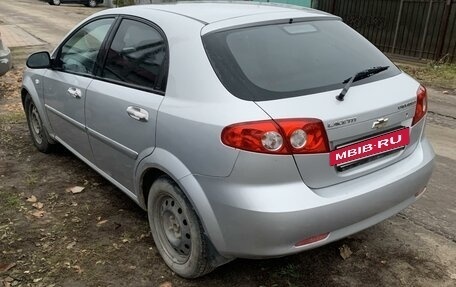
102,173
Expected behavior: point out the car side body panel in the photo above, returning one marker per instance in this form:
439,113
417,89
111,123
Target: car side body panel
106,107
66,112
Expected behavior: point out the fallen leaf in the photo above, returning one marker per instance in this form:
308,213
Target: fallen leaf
77,269
38,205
71,245
76,219
37,280
166,284
38,213
383,262
32,199
345,251
445,92
75,189
9,279
5,267
102,222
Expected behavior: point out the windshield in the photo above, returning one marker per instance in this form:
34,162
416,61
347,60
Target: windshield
288,60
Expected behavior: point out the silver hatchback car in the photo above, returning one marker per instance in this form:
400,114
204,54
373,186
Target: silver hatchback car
245,130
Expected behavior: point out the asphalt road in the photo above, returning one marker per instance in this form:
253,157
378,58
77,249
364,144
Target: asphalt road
430,224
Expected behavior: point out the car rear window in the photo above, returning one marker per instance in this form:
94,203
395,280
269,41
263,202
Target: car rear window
287,60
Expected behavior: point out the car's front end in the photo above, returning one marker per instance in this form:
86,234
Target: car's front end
6,62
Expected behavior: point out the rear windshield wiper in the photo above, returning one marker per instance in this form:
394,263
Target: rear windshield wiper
359,76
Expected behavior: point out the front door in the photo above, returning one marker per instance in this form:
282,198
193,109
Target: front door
65,86
122,103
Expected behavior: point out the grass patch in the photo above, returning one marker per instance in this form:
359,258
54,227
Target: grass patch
9,200
31,179
12,117
437,75
290,271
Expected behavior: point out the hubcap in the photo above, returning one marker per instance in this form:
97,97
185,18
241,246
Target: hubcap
174,229
36,125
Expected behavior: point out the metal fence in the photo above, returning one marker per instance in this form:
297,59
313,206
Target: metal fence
424,29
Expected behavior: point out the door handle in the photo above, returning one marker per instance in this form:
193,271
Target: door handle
138,114
75,93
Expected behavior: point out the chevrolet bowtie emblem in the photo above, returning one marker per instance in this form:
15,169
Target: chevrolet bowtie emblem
380,123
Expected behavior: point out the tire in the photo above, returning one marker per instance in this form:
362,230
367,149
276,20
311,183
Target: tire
177,231
38,132
56,2
92,3
51,3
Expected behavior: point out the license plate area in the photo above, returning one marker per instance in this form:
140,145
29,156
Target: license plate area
369,149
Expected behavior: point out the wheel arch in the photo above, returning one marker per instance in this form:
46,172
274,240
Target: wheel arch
29,89
162,162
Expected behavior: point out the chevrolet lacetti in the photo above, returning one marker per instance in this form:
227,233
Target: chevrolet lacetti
245,130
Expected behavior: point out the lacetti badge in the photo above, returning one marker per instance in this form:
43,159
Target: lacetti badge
373,146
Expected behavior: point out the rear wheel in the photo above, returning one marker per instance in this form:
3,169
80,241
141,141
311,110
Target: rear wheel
37,129
56,2
177,231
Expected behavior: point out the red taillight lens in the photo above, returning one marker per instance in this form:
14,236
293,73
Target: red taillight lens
421,104
305,135
285,136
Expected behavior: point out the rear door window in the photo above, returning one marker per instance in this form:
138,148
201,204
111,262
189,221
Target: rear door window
287,60
136,56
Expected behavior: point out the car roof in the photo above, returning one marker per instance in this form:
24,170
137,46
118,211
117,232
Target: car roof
210,12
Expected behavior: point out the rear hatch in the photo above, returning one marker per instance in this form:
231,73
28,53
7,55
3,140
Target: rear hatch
351,121
295,69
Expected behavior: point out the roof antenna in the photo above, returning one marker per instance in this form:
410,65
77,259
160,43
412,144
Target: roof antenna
290,21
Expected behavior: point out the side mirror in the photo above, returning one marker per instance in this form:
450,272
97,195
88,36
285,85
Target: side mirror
39,60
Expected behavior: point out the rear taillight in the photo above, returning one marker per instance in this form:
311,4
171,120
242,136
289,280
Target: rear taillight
284,136
421,104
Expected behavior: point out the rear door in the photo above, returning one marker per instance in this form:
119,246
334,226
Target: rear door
122,103
66,84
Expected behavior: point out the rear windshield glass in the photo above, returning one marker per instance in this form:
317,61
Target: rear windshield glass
288,60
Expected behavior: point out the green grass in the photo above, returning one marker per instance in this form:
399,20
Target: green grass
432,74
31,179
12,117
9,200
290,271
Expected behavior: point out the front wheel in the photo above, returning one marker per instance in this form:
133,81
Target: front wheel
56,2
177,231
36,127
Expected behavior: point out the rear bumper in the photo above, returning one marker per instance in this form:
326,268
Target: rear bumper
267,220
